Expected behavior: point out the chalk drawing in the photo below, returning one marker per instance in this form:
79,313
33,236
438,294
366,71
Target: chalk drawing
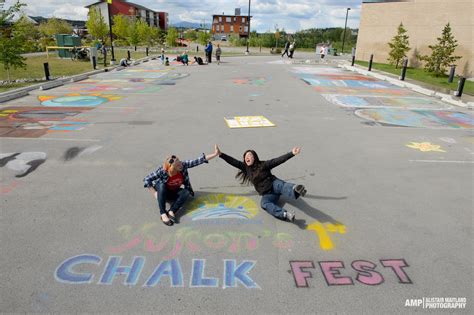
251,81
77,100
82,269
22,163
317,70
333,272
383,101
425,147
448,140
116,87
74,152
221,206
364,91
323,230
151,239
248,122
418,118
6,188
346,83
34,122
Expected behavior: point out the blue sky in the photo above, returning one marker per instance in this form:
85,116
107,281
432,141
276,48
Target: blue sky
292,15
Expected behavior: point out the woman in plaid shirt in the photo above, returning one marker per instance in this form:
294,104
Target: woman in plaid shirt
165,184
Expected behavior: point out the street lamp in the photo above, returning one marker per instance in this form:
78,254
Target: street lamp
112,61
345,26
248,33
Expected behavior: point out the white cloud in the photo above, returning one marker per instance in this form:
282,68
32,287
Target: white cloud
292,16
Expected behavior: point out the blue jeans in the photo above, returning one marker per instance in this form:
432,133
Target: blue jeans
270,199
164,194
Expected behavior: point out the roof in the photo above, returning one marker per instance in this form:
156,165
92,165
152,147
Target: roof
127,2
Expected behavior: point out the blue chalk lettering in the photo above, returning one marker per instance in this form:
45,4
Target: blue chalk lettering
197,275
170,268
113,268
240,273
64,272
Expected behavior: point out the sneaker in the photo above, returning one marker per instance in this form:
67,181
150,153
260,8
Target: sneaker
290,216
299,190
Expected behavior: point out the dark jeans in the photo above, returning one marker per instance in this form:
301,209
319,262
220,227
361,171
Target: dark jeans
291,54
178,198
269,200
285,52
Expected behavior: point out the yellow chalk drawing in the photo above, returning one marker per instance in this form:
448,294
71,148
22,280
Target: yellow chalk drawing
7,112
222,206
323,230
425,146
248,122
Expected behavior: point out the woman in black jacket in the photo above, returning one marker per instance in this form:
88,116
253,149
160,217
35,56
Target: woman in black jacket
257,172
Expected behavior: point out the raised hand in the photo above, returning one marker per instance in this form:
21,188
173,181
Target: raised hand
296,150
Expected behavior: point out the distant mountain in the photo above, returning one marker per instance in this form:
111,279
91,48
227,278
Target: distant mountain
185,24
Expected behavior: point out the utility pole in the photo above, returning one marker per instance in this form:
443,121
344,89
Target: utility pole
248,33
345,26
112,61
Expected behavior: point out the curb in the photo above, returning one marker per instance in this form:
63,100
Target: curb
443,96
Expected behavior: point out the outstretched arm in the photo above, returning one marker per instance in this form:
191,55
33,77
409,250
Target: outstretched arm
282,159
201,159
235,163
216,152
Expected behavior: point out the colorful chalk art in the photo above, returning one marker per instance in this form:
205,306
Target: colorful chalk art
222,206
77,100
248,122
425,147
357,101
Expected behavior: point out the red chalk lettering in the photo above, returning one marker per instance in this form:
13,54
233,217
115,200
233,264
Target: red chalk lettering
366,273
397,267
332,275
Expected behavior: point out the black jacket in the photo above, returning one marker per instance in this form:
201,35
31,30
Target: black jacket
263,179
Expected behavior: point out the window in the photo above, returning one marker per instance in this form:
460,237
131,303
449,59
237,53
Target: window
232,28
246,29
227,19
220,18
217,28
243,20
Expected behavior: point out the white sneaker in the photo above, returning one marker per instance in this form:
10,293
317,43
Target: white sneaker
290,216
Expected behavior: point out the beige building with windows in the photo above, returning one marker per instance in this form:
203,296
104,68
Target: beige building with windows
424,21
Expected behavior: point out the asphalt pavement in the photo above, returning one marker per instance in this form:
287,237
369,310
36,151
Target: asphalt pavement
385,228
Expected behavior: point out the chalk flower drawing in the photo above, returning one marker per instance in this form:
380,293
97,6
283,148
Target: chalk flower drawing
222,206
425,146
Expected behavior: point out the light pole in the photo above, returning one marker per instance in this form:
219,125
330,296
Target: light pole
345,26
248,33
112,61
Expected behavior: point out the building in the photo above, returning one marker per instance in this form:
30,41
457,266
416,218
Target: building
225,25
424,21
153,18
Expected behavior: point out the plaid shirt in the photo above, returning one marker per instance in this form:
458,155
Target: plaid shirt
161,176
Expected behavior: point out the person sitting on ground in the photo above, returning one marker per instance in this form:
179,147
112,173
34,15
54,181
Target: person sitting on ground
170,182
257,172
167,61
199,61
124,62
185,58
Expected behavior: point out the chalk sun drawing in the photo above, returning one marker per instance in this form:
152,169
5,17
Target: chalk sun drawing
425,146
222,206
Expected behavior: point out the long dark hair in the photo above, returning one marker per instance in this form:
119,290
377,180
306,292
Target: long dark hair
244,176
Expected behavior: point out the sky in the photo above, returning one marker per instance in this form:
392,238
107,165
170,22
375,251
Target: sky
267,15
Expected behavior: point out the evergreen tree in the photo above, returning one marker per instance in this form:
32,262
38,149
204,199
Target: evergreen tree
399,46
442,53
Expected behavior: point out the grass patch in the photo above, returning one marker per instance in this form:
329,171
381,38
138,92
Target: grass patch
422,76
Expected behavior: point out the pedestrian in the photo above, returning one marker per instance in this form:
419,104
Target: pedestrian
322,52
162,56
326,50
208,51
218,54
292,49
199,61
185,58
167,61
257,172
287,46
124,62
170,182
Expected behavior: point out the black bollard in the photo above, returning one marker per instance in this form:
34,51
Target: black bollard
353,60
46,70
461,82
451,73
147,51
197,48
94,63
404,69
370,62
128,54
105,58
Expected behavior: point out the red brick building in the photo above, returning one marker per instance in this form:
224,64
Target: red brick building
224,25
153,18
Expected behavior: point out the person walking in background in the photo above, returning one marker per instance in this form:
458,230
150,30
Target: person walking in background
322,52
252,170
287,46
162,56
292,49
208,51
218,54
170,182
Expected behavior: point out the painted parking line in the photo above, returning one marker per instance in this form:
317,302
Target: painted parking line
442,161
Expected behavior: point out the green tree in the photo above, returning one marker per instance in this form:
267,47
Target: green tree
134,33
441,53
171,37
11,44
55,26
203,37
96,25
190,35
120,26
28,34
161,38
399,46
